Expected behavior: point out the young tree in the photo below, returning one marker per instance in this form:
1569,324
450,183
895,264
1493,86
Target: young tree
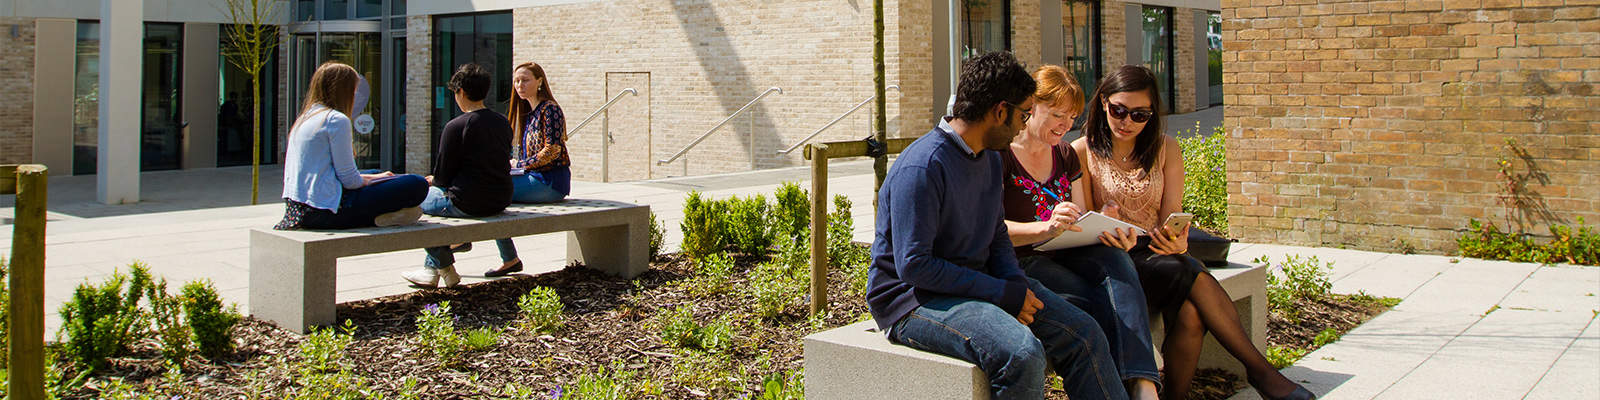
250,39
880,163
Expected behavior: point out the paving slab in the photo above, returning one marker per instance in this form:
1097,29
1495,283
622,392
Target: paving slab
1501,356
1374,355
1472,287
1396,277
1574,375
1558,288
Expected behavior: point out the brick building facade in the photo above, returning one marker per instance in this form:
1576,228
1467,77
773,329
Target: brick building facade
1378,124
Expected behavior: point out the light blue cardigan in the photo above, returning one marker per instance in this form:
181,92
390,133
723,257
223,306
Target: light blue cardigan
321,160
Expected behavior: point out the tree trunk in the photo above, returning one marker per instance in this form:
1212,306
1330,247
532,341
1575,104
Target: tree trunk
255,138
880,132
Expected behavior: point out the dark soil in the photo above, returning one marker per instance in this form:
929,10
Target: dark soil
609,321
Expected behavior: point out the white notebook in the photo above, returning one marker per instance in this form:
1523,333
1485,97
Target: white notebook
1093,223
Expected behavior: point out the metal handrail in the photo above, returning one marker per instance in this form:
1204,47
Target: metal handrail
574,131
836,120
713,129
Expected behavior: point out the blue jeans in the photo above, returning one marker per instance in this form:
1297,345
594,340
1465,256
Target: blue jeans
437,204
1012,355
1101,280
533,187
358,207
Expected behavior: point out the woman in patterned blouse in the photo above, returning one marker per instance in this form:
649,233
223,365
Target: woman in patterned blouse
1042,200
540,167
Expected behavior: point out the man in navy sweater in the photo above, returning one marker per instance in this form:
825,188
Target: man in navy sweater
944,277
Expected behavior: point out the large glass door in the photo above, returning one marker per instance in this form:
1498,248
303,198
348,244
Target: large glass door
358,44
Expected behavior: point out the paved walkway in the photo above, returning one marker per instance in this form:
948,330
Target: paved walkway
1467,329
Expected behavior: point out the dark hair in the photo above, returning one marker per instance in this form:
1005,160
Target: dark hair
987,80
1097,130
472,80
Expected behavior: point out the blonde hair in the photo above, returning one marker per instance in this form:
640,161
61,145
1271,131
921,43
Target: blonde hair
333,85
1057,88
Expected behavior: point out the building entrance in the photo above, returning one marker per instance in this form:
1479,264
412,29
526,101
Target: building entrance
360,45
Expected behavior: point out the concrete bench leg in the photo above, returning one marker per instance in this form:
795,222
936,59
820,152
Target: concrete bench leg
289,287
1249,293
621,250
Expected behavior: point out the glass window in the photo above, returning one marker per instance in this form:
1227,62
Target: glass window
1157,50
397,7
484,39
1214,55
162,96
369,8
397,59
335,9
305,10
237,116
1081,25
86,99
985,26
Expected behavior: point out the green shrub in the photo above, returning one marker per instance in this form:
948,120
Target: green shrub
748,228
842,250
617,383
1301,278
1576,246
436,329
5,314
789,385
541,310
702,226
775,287
100,322
482,338
712,274
1328,335
1205,179
678,328
212,324
322,373
656,233
171,330
791,215
1283,356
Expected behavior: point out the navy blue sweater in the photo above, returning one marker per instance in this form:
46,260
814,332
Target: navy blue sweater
941,232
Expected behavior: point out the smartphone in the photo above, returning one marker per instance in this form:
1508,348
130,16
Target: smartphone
1178,220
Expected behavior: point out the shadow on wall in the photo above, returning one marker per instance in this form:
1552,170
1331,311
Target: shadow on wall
731,82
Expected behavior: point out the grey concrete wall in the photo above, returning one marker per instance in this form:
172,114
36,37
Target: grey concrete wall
200,105
154,10
52,93
1135,34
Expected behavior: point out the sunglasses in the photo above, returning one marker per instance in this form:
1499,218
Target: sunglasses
1118,111
1019,110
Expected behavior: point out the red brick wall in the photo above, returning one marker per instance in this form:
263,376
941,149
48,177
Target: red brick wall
1377,124
16,90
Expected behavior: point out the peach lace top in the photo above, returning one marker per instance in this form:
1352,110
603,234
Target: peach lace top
1138,196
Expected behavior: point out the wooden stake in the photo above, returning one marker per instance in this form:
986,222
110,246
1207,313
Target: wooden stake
26,362
818,153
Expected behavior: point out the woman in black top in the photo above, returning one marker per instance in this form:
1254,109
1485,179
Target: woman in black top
470,178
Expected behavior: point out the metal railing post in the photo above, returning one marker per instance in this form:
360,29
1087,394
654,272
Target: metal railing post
836,120
713,129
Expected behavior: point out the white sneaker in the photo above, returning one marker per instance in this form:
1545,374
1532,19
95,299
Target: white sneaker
404,216
429,277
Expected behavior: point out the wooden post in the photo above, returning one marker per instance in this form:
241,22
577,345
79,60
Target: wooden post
818,153
26,362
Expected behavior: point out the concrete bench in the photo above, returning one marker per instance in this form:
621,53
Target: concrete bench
293,273
856,361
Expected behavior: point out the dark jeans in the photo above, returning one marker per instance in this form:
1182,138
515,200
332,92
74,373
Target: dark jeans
1012,355
438,205
1101,281
533,187
358,207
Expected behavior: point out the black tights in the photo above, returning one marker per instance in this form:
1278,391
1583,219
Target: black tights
1193,303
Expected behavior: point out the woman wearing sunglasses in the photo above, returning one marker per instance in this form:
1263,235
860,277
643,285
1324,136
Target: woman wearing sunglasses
1135,169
